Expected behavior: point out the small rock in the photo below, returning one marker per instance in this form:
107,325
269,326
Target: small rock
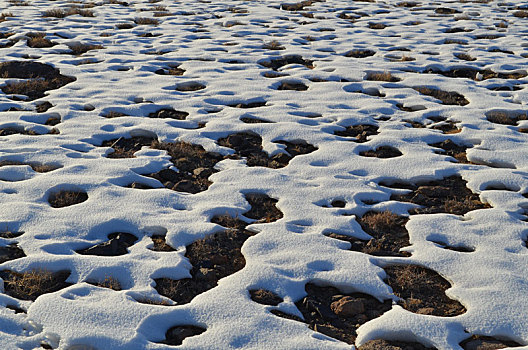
348,307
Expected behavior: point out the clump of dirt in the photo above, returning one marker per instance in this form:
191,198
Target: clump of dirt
31,284
381,344
265,297
169,113
175,335
248,120
474,73
388,233
449,195
504,118
450,148
160,245
10,234
422,291
194,165
190,86
481,342
360,53
43,106
252,104
249,145
263,208
78,49
172,70
11,252
447,97
299,5
280,62
66,198
326,310
289,85
40,78
359,132
108,282
126,147
382,152
117,244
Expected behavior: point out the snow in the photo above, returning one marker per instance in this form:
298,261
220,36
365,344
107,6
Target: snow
490,282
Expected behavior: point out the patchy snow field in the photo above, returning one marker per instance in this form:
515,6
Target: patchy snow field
221,174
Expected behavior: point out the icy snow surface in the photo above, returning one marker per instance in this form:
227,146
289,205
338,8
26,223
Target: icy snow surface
221,45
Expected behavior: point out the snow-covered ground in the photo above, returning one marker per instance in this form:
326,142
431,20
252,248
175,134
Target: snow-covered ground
226,50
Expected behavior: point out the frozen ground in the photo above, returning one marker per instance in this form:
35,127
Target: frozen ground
224,73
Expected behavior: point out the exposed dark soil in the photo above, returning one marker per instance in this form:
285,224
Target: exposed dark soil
359,132
296,86
245,105
160,245
452,149
40,78
194,165
449,195
117,244
280,62
218,255
265,297
39,168
11,252
447,97
10,234
500,117
32,284
380,344
480,342
125,148
175,335
169,113
249,145
171,71
248,120
360,53
459,248
464,56
326,310
474,73
440,123
66,198
43,106
388,232
422,291
190,86
382,152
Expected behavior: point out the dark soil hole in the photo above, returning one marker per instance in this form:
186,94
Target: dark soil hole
249,145
480,342
360,53
190,86
117,244
265,297
16,309
195,165
326,310
388,233
338,203
504,118
422,291
107,282
279,62
381,344
452,149
42,107
212,258
160,245
11,252
382,152
40,78
447,97
175,335
169,113
140,186
460,249
10,234
359,132
253,104
32,284
449,195
66,198
125,148
248,120
263,208
296,86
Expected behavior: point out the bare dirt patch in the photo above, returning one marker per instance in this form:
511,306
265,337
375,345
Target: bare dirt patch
475,73
11,252
388,233
175,335
382,152
190,86
66,198
358,132
39,168
449,195
360,53
117,244
276,63
292,85
126,147
248,104
381,344
505,118
447,97
326,310
169,113
31,284
160,245
452,149
78,49
422,291
249,145
38,40
249,120
265,297
481,342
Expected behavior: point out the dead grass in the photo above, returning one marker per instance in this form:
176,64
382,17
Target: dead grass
31,284
447,97
382,76
73,10
32,88
273,45
38,40
4,15
160,245
108,282
146,21
62,199
360,53
78,49
521,14
18,3
464,56
501,117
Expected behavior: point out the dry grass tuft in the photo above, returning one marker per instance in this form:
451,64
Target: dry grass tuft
73,10
79,48
4,15
38,40
382,76
31,284
18,3
146,21
66,198
108,282
273,45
